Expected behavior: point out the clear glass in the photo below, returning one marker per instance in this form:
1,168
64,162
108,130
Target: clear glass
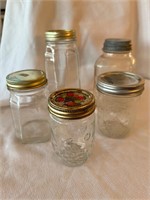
115,115
62,65
123,61
72,139
30,115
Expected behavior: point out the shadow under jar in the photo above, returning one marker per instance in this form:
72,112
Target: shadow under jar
73,124
28,103
117,96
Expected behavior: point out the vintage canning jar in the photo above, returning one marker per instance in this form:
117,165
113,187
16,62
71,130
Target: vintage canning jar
117,96
116,56
73,123
29,105
61,59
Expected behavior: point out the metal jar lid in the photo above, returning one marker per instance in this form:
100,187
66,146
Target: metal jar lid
71,103
116,45
58,35
120,83
26,79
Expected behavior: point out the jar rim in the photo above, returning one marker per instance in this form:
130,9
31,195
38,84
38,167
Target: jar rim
115,45
71,103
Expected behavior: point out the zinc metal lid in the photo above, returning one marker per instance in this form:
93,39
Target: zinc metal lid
120,83
112,45
26,79
57,35
71,103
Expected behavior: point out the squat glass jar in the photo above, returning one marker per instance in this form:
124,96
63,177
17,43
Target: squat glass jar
28,103
117,97
73,124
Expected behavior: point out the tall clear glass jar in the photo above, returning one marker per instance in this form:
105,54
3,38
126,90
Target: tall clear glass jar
28,103
72,121
61,60
117,99
116,56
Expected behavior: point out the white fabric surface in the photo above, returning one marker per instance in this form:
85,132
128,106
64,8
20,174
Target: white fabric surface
118,169
23,42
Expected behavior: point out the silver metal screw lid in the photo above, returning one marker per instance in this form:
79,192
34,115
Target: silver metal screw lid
120,83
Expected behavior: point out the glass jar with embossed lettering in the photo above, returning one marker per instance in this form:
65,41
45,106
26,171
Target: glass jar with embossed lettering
72,121
28,103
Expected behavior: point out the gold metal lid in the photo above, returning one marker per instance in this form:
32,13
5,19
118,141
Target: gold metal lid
26,79
58,35
71,103
120,83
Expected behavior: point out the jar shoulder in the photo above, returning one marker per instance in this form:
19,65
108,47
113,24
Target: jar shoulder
115,59
25,97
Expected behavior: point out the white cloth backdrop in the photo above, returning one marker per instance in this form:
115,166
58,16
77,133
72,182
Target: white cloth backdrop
23,42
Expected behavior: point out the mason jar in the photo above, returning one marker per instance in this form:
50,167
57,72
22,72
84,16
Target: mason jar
117,99
116,56
61,60
28,103
72,121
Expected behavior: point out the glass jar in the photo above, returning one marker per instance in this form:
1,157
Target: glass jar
117,56
73,124
28,103
117,98
61,60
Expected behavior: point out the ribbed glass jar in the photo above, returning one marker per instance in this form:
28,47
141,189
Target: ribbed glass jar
116,56
28,103
117,98
72,121
61,60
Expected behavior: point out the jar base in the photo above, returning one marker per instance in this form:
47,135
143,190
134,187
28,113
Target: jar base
113,129
73,163
35,131
72,155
